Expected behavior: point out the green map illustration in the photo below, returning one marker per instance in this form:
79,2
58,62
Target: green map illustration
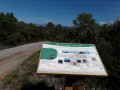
49,53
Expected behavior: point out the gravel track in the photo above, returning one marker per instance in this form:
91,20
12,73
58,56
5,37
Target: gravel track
12,57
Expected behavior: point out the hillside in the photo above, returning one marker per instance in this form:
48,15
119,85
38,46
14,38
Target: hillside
106,37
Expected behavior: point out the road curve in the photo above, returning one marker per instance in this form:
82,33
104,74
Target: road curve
12,57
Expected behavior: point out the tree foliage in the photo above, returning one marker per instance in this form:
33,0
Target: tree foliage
84,20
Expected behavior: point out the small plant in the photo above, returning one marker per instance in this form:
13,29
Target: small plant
9,78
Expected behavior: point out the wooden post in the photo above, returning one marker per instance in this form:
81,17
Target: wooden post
68,82
79,88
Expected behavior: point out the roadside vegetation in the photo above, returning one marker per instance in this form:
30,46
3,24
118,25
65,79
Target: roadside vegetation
85,30
25,77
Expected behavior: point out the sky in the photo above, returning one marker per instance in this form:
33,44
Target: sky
61,11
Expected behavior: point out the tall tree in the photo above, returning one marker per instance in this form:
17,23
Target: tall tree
50,25
84,20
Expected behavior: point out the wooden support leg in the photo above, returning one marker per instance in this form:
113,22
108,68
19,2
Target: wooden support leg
69,83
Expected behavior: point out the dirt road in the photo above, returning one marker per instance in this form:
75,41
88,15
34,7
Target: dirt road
12,57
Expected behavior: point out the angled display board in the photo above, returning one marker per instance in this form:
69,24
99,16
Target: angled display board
75,59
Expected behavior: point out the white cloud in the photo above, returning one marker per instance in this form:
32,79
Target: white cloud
102,23
111,22
46,21
29,19
35,20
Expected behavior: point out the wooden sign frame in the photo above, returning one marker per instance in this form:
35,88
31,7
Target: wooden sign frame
61,73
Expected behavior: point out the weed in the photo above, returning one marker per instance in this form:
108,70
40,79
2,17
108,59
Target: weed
9,78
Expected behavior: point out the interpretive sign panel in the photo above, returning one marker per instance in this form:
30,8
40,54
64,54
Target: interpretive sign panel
65,58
